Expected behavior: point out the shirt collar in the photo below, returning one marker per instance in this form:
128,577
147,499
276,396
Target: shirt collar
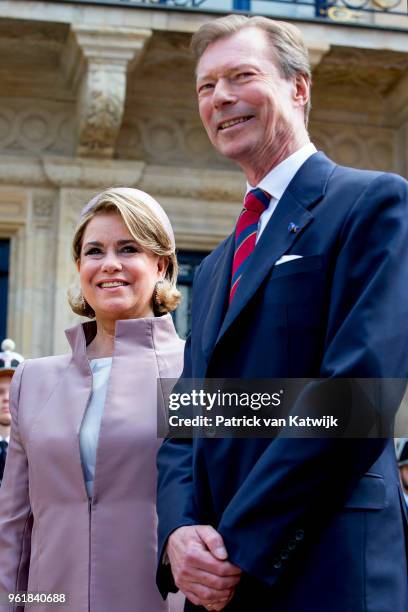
277,179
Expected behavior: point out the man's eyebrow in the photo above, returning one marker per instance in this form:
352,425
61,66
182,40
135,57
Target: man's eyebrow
243,66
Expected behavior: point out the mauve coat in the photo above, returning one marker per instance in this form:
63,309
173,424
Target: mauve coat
52,539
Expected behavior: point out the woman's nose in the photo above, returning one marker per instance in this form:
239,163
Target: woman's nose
111,263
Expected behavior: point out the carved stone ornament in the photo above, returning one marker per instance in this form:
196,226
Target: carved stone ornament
43,205
96,62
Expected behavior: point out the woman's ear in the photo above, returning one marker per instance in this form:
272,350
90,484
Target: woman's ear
162,265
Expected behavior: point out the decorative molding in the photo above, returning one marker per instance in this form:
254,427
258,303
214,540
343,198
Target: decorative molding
362,146
181,181
191,183
96,62
68,172
43,206
170,138
13,208
39,128
89,173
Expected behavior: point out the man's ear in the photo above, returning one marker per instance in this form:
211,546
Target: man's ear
302,90
78,264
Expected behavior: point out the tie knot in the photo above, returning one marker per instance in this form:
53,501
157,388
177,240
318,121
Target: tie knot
257,200
3,445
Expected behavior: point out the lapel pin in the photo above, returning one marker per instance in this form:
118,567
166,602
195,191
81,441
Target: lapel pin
293,228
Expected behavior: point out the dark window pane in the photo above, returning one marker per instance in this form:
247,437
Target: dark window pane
4,273
188,262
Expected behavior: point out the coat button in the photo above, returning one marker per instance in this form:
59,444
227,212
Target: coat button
292,545
284,555
299,535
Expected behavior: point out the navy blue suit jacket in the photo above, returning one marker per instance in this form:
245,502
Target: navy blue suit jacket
316,524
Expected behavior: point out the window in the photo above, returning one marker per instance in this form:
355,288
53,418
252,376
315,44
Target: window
188,262
4,268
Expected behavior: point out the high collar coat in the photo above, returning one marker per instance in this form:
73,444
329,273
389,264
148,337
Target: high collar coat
100,553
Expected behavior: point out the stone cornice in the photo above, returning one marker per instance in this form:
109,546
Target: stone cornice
65,172
176,182
317,51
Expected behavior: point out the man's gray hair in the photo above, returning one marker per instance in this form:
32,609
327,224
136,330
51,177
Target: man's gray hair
288,48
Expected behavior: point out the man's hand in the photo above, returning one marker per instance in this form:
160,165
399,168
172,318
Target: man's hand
200,568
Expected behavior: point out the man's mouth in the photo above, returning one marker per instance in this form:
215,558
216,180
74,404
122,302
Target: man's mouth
231,122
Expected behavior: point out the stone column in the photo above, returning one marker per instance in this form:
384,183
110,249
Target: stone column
96,62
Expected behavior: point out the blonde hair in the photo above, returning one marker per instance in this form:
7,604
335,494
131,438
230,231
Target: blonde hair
149,226
287,46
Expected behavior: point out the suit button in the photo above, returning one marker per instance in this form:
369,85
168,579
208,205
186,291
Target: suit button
299,535
292,545
284,555
277,563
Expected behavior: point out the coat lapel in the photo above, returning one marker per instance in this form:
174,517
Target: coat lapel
291,217
76,390
218,291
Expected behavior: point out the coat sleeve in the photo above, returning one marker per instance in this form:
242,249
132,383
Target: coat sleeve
175,500
298,483
15,511
175,497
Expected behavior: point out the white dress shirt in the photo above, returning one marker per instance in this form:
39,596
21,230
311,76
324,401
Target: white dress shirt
91,424
277,180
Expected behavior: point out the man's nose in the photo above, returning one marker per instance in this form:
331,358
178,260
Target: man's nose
223,93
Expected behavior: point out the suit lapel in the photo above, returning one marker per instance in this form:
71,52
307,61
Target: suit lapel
291,217
218,292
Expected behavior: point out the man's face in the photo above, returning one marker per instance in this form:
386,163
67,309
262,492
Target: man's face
248,109
404,476
5,416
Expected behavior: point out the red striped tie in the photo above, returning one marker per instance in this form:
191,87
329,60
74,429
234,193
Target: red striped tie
256,202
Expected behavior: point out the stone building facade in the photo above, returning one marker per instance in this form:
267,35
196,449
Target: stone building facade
95,94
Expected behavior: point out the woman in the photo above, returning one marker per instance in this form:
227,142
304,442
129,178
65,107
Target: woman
77,505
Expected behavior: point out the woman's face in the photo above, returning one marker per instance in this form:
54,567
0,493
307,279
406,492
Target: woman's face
117,276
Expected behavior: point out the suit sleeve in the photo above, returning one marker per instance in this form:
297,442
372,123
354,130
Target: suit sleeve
15,511
297,484
175,498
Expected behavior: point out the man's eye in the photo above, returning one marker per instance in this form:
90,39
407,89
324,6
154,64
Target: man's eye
243,75
205,87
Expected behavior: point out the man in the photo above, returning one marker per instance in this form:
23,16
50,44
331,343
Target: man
8,363
402,458
312,283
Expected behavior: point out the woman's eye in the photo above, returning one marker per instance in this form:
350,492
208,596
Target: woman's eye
129,249
93,251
